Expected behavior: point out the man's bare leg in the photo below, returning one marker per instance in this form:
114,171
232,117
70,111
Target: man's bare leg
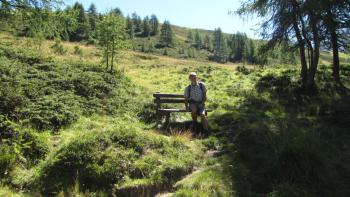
204,122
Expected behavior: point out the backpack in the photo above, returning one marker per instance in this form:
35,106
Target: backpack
200,86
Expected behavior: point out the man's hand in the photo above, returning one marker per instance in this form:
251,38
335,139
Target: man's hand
187,108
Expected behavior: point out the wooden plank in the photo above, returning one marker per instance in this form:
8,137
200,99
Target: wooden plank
173,110
169,101
179,110
161,95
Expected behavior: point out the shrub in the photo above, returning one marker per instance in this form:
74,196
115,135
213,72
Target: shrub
11,98
34,146
25,56
52,111
52,94
100,160
243,70
7,159
78,50
58,48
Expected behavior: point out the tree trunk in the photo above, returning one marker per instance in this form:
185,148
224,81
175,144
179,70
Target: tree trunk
335,46
301,45
336,67
113,52
107,58
315,55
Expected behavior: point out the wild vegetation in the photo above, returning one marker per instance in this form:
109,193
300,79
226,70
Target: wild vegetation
77,114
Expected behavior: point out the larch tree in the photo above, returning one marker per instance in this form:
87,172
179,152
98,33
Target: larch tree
294,21
111,37
335,15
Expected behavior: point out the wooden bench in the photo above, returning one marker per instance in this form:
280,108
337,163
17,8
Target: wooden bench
170,99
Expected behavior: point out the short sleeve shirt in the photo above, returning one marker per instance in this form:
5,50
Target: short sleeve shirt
196,94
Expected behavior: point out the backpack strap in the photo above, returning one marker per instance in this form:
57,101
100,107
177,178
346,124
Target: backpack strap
189,91
201,87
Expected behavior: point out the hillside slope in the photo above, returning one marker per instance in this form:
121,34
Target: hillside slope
270,138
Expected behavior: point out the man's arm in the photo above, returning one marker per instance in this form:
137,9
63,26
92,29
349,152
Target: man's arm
186,104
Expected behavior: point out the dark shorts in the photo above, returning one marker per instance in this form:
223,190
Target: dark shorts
199,106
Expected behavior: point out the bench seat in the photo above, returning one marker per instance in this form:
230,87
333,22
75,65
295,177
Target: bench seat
179,110
160,98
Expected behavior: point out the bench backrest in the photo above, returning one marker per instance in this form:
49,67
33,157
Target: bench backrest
168,98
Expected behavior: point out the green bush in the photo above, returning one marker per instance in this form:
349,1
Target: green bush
78,50
52,94
34,146
100,160
27,57
52,111
7,159
58,48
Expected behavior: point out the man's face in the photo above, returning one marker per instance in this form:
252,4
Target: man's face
193,79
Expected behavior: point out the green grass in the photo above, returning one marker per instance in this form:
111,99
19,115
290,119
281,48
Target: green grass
73,129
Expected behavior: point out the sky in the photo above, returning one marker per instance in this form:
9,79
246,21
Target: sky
203,14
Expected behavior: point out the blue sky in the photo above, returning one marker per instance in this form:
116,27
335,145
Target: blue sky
204,14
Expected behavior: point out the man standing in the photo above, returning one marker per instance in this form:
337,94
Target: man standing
195,97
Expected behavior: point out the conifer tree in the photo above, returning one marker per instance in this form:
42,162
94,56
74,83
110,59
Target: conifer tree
198,40
146,27
154,25
82,30
220,46
190,37
166,35
130,27
93,17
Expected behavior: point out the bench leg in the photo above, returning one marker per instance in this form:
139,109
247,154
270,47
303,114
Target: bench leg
167,119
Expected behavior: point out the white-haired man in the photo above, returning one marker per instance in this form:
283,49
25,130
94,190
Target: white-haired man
195,98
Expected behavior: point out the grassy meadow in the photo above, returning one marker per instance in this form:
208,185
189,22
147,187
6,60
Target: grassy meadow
73,129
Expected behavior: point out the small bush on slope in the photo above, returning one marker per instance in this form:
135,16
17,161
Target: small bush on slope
50,94
98,160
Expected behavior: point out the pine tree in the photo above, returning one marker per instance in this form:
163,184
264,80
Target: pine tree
154,25
166,35
220,46
137,22
130,27
82,30
5,11
92,16
207,43
117,12
146,27
238,46
190,37
198,40
249,51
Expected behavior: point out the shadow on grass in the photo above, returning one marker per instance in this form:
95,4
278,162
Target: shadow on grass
289,142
